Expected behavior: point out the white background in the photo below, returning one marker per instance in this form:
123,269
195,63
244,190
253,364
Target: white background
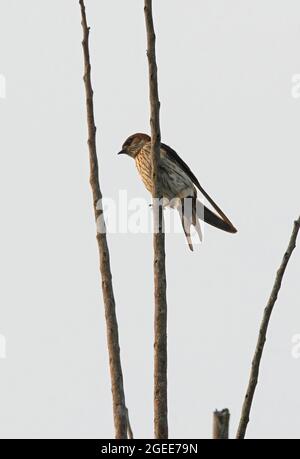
225,71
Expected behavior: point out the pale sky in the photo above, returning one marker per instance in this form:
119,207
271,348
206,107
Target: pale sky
225,79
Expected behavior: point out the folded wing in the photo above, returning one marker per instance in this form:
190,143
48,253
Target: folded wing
208,216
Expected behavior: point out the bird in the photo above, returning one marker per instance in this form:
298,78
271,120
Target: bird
178,185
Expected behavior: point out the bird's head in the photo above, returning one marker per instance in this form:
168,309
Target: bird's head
134,144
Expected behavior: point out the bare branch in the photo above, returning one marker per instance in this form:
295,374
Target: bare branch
119,408
129,429
262,334
160,320
221,424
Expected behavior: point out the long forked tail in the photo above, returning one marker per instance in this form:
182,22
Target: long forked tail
192,210
213,219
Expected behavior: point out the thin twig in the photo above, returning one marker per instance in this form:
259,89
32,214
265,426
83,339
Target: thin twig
221,424
160,319
129,429
119,408
262,334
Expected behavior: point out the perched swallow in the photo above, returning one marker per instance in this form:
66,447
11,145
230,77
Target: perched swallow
178,184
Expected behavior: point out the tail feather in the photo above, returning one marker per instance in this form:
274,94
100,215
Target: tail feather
190,214
186,226
187,217
213,219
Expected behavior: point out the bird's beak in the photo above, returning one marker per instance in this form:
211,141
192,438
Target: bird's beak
122,152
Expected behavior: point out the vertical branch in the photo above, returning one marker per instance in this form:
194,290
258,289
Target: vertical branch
221,424
129,429
119,408
160,318
263,333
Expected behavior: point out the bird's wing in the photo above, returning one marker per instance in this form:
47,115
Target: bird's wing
173,156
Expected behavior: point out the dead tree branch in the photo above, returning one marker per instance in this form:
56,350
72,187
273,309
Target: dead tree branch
221,424
262,334
119,408
160,319
129,429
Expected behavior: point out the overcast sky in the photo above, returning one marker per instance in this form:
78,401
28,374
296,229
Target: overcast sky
225,77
